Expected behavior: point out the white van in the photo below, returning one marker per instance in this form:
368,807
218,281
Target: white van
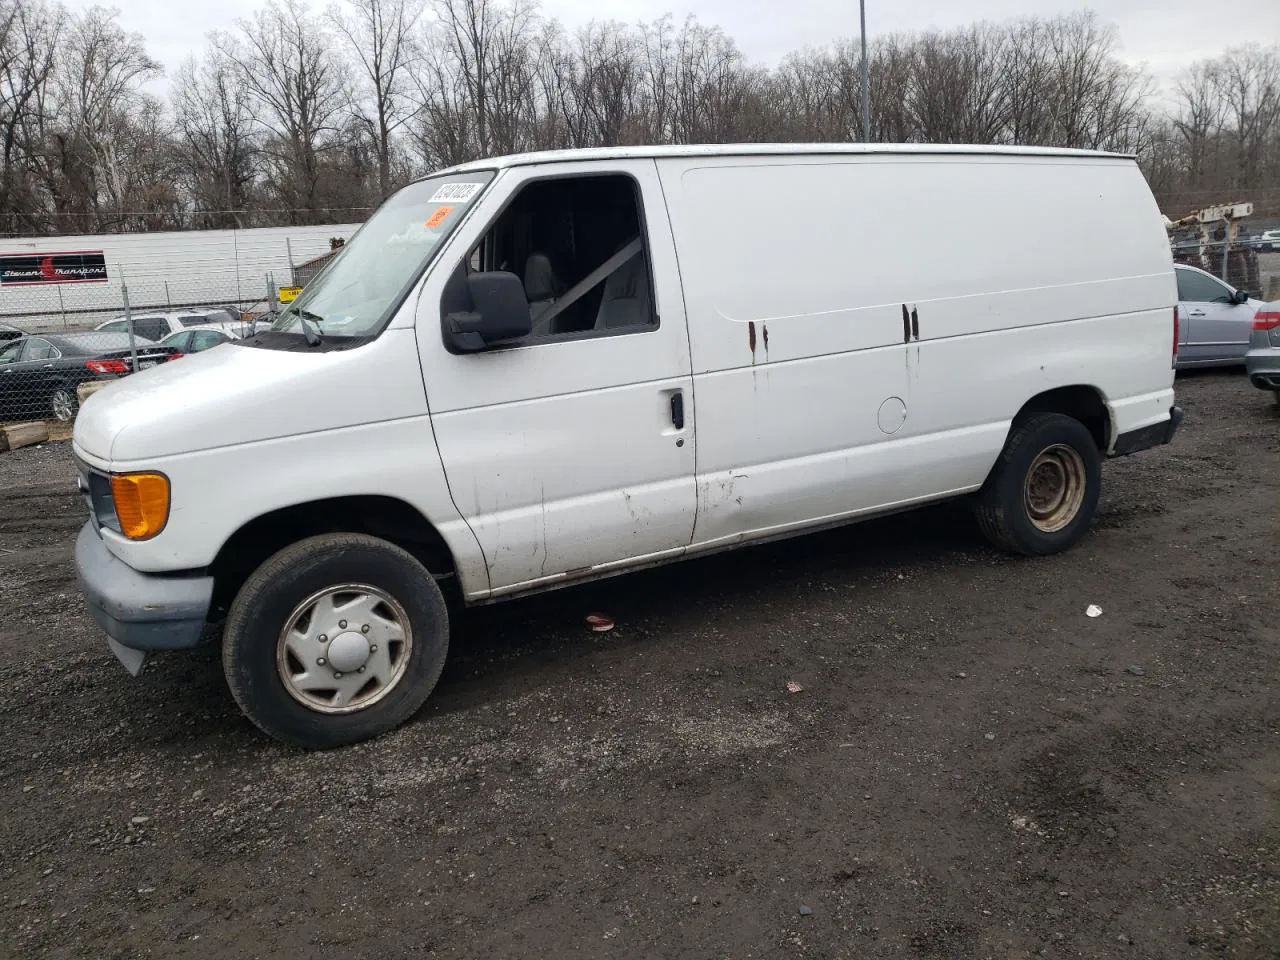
537,370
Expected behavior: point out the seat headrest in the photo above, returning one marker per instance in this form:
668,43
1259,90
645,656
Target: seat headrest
539,279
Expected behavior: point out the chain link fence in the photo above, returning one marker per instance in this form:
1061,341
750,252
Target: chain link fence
52,360
78,312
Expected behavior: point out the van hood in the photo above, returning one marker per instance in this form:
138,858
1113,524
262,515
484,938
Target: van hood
235,393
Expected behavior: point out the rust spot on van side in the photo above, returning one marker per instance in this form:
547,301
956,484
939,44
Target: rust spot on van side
906,325
915,324
751,337
765,331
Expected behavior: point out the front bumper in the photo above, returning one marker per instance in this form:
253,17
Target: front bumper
140,612
1145,438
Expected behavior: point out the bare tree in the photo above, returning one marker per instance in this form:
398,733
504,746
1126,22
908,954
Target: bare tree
217,138
284,58
481,64
1248,81
382,35
97,81
29,35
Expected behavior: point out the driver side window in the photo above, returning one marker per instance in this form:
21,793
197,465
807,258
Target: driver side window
1198,288
577,245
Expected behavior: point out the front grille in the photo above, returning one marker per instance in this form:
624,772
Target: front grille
95,488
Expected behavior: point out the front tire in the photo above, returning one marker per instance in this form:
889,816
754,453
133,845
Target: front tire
334,640
1041,495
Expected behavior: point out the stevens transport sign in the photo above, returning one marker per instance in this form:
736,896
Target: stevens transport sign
27,269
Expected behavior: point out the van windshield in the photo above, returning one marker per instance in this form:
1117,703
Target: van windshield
356,293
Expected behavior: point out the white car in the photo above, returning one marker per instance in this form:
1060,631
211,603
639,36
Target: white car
197,339
1215,320
533,371
1267,242
157,326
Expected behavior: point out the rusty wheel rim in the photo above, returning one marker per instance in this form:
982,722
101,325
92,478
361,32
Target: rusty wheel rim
1055,488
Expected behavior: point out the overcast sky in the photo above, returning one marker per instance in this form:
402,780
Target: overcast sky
1164,34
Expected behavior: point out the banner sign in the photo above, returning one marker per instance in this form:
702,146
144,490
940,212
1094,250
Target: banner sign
34,269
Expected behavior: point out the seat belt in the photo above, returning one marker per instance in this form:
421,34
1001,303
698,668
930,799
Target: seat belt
587,283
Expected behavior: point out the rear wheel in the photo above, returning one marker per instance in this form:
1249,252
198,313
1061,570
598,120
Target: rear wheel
63,404
334,640
1041,494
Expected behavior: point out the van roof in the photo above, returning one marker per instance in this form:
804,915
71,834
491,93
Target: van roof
771,149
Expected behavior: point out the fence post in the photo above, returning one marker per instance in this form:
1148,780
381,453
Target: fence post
168,302
62,309
235,243
128,322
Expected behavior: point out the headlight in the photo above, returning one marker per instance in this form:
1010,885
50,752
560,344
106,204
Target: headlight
141,502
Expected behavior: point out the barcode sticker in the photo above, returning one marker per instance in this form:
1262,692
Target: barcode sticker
460,192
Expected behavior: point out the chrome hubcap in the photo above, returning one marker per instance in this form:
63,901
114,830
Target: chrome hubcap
348,652
62,408
344,648
1054,489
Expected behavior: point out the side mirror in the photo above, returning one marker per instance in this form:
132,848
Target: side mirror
501,312
1239,297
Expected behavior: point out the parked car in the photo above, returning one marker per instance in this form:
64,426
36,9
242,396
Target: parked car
1267,242
196,340
157,326
1263,359
39,374
533,371
8,333
1215,320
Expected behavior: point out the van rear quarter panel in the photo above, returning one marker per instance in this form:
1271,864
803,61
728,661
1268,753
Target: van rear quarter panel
1024,273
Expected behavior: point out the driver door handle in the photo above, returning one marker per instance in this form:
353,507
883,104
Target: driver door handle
47,366
677,410
1195,313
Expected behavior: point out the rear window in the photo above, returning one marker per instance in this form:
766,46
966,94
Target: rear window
98,342
200,319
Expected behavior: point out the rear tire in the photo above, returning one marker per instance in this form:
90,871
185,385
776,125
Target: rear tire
285,648
63,404
1041,495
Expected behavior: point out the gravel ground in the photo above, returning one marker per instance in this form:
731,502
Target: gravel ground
973,767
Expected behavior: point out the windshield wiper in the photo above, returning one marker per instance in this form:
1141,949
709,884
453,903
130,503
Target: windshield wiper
310,324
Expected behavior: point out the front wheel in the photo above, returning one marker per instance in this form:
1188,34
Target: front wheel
334,640
1041,494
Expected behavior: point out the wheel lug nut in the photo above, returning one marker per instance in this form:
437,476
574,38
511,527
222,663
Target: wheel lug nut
342,624
373,648
323,638
337,674
360,670
320,661
365,628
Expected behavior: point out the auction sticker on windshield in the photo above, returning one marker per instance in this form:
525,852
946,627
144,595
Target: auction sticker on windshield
438,217
459,192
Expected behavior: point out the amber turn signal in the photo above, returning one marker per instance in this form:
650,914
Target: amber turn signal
142,503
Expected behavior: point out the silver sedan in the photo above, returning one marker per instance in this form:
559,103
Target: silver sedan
1215,320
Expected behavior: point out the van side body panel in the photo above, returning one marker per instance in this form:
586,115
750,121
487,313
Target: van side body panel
826,295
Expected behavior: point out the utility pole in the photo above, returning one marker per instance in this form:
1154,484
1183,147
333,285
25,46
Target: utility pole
866,87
